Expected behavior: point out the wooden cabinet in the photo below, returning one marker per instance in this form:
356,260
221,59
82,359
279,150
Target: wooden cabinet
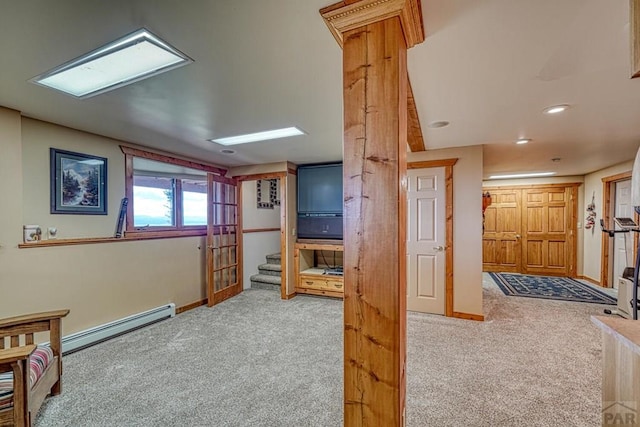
312,262
531,230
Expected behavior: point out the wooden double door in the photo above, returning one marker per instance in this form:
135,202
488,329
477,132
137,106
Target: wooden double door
531,230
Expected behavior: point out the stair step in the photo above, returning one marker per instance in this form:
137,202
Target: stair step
273,259
263,281
273,280
270,269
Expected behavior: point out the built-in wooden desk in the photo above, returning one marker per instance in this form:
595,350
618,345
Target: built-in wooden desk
620,370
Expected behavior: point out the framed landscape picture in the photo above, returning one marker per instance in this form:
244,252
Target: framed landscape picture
78,183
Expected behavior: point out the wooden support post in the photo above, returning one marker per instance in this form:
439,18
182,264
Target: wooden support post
375,36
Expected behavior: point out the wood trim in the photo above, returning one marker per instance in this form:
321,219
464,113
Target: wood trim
573,235
634,33
448,309
240,238
191,306
128,190
589,279
257,176
348,15
606,217
283,237
617,177
530,186
431,163
259,230
468,316
133,237
415,138
320,246
173,160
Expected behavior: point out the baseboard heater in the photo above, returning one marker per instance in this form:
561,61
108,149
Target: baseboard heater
97,334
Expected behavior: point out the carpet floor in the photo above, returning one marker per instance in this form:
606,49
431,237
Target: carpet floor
256,360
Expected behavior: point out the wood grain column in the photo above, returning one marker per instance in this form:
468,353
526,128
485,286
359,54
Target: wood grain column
375,141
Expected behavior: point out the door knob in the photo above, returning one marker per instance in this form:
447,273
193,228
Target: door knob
518,236
438,248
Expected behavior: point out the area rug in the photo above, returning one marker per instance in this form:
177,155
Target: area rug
548,287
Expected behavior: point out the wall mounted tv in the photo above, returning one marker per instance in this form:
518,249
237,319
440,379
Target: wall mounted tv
320,201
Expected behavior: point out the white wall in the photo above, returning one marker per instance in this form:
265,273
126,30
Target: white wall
555,180
257,245
593,240
467,224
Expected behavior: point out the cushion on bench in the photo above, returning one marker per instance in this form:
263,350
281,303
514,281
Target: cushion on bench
39,360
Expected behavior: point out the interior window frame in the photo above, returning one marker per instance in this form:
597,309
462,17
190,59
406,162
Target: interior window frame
177,230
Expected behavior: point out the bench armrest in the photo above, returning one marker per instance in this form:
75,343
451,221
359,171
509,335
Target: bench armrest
35,317
12,355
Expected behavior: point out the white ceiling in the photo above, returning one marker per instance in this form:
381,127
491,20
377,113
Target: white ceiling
488,66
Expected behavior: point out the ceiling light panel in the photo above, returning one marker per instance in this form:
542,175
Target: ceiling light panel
137,56
259,136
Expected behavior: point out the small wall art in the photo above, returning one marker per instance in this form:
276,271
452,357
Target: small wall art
268,194
78,183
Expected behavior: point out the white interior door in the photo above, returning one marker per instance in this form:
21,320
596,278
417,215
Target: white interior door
623,242
426,240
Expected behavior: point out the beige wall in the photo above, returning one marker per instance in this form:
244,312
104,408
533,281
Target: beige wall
257,245
467,224
258,169
555,180
99,282
593,239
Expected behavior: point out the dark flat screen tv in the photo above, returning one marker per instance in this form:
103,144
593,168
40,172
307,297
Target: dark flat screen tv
320,201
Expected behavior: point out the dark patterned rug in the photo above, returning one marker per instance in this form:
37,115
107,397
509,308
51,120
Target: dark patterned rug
559,288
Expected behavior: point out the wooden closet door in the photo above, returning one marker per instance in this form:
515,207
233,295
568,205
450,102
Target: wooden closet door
547,238
501,246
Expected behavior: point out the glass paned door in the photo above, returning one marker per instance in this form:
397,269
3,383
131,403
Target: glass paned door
222,241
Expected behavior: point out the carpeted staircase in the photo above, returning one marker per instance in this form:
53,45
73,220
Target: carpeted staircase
268,276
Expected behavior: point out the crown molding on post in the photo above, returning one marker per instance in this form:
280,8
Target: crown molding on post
347,15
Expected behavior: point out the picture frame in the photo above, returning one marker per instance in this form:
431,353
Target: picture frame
78,183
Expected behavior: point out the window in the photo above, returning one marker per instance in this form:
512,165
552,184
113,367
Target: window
166,195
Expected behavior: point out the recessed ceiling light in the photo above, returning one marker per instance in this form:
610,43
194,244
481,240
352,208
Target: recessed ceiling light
259,136
227,151
438,124
523,141
555,109
129,59
522,175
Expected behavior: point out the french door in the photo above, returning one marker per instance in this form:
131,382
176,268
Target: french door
223,243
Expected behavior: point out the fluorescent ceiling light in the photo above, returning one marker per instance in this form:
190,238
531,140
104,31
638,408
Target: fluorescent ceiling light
523,141
259,136
556,109
522,175
133,57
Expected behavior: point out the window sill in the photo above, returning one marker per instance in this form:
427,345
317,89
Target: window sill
129,237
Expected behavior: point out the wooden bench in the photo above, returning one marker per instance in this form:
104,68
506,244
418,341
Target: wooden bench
19,332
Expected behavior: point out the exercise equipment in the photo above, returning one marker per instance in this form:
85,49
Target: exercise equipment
630,276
